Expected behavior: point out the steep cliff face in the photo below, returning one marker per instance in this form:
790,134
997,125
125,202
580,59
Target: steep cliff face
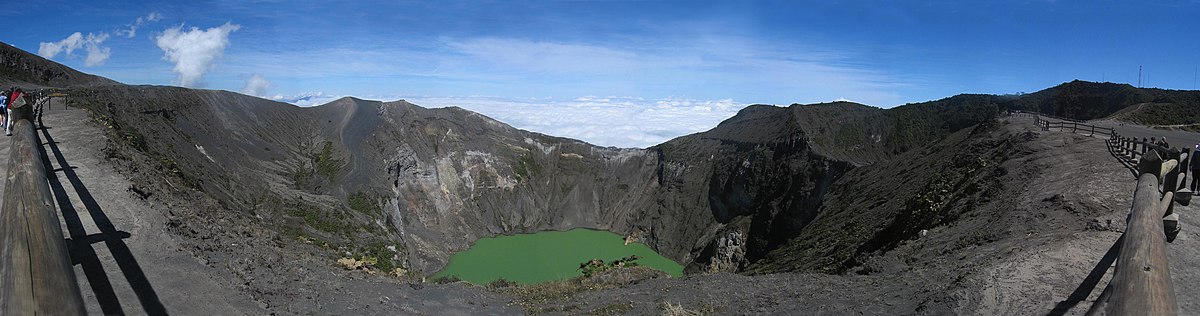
454,176
742,187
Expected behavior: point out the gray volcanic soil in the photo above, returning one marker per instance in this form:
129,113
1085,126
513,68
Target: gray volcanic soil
240,269
1028,250
1039,248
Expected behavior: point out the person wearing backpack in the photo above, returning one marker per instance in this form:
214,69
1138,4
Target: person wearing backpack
16,99
3,107
1195,170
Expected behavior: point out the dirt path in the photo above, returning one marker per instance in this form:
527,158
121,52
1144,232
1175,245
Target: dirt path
1184,257
1075,174
1089,256
125,261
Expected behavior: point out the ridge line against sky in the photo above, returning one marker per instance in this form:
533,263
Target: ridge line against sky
684,66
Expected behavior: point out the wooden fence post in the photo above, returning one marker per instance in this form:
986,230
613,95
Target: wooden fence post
1120,144
1169,175
1134,153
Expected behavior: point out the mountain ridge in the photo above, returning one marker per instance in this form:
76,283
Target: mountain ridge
26,69
684,178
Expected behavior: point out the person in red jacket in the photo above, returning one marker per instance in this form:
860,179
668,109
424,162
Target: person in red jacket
15,99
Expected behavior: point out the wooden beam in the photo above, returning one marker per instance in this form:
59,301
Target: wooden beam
36,276
1169,174
1142,281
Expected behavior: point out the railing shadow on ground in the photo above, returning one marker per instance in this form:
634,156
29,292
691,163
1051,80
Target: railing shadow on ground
80,243
1121,158
1089,283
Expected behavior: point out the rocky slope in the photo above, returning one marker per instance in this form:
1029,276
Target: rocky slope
18,67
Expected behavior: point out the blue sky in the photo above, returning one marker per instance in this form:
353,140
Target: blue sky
695,62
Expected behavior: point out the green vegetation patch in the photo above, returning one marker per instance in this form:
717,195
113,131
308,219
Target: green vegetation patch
363,203
326,164
330,221
316,168
527,167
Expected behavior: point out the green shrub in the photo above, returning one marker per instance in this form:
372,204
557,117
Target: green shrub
596,266
446,279
501,283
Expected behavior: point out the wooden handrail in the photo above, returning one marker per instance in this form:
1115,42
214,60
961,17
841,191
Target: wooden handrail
1075,126
36,275
1142,282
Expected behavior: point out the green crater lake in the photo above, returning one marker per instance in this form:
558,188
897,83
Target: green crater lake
547,256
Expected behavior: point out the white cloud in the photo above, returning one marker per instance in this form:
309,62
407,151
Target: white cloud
608,121
256,85
193,51
69,44
96,54
131,28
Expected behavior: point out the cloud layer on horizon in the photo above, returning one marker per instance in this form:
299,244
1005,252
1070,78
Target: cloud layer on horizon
605,121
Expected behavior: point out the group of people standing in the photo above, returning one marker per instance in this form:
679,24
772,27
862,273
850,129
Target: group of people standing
8,99
1193,162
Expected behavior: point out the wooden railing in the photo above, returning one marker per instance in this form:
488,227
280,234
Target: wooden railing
1141,284
1072,125
36,274
1044,115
